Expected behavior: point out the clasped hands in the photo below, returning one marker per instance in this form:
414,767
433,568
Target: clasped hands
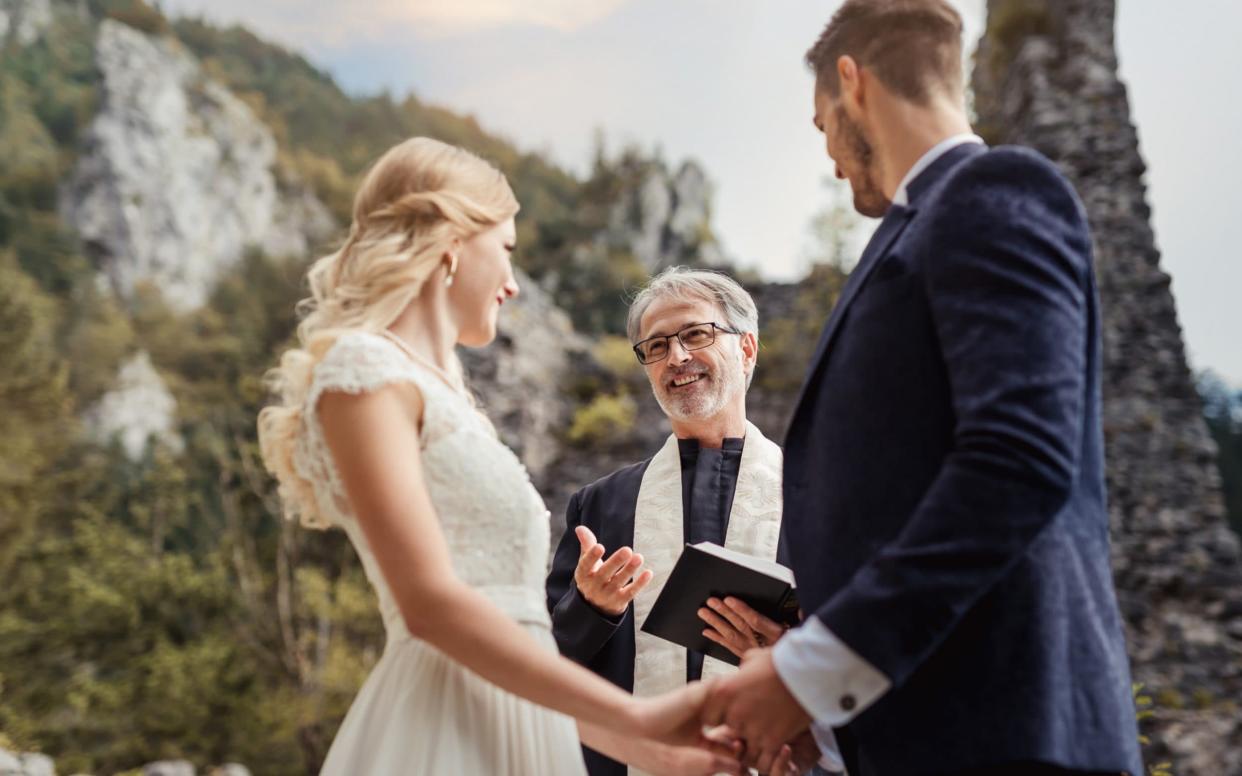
749,718
746,720
753,704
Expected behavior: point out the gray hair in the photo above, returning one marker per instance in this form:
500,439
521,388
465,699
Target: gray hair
708,285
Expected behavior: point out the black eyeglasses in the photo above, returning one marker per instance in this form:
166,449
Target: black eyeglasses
696,336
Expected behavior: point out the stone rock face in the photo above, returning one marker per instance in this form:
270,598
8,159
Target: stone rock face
168,768
175,180
519,379
1046,77
666,219
138,408
38,765
770,410
29,764
24,20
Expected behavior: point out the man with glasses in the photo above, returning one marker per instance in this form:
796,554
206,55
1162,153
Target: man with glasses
716,479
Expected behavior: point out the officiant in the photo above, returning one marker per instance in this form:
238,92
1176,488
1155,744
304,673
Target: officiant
716,479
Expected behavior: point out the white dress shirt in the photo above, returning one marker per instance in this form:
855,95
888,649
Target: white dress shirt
832,682
902,196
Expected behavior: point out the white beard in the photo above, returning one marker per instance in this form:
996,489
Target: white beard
701,404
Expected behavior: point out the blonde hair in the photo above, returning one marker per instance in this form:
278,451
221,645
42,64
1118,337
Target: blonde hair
415,201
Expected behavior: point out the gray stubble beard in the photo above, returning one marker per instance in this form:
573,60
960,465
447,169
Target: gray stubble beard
723,393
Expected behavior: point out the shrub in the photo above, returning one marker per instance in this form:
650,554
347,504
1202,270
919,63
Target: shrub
605,418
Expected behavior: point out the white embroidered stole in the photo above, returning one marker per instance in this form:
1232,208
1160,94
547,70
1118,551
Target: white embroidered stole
754,528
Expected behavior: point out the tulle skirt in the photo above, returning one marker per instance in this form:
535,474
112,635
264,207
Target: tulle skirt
419,712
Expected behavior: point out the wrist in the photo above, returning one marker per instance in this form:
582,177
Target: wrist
601,610
630,717
650,756
612,614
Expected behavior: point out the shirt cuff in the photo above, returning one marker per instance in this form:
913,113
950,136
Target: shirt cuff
830,758
580,629
832,682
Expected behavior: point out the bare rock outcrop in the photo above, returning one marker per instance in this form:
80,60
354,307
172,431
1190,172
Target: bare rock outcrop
1046,76
176,179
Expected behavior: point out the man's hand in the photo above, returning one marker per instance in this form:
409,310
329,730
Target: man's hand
608,585
795,757
756,705
804,752
702,753
737,627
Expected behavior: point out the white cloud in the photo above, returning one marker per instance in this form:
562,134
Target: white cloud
330,23
454,15
722,81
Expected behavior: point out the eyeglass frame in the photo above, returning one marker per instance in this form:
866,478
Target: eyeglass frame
677,334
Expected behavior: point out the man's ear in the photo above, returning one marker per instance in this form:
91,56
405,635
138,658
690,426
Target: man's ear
750,348
853,84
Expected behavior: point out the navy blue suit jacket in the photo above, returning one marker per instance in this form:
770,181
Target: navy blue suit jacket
601,643
944,489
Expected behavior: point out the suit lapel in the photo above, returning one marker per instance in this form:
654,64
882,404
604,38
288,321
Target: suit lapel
895,221
890,228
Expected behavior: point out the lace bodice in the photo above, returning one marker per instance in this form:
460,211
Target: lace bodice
494,521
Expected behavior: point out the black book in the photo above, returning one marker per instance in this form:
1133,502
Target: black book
705,570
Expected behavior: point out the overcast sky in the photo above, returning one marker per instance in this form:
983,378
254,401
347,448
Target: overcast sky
721,81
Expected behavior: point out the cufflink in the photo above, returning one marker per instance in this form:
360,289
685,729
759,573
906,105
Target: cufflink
848,702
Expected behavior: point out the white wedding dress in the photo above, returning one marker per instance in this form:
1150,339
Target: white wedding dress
420,712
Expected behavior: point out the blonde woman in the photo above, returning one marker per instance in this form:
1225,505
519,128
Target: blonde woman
375,434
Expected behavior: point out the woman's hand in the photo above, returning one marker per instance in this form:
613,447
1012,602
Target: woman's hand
707,759
672,718
716,751
737,627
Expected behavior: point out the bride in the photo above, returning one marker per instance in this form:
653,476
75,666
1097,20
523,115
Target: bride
375,434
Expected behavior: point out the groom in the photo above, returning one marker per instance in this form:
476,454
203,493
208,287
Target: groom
715,479
944,508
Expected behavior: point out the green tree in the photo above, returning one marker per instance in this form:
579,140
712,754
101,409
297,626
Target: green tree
162,607
37,418
788,340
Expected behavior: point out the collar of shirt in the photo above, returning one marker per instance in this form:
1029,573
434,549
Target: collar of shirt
691,447
902,196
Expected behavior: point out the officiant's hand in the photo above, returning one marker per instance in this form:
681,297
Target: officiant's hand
737,627
756,705
608,585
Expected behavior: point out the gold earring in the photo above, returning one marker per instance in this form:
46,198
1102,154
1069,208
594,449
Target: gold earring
448,281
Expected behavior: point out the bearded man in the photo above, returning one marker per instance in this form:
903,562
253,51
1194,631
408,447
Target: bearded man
715,479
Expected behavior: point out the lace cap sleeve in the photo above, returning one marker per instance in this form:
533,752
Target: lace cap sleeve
360,362
357,363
